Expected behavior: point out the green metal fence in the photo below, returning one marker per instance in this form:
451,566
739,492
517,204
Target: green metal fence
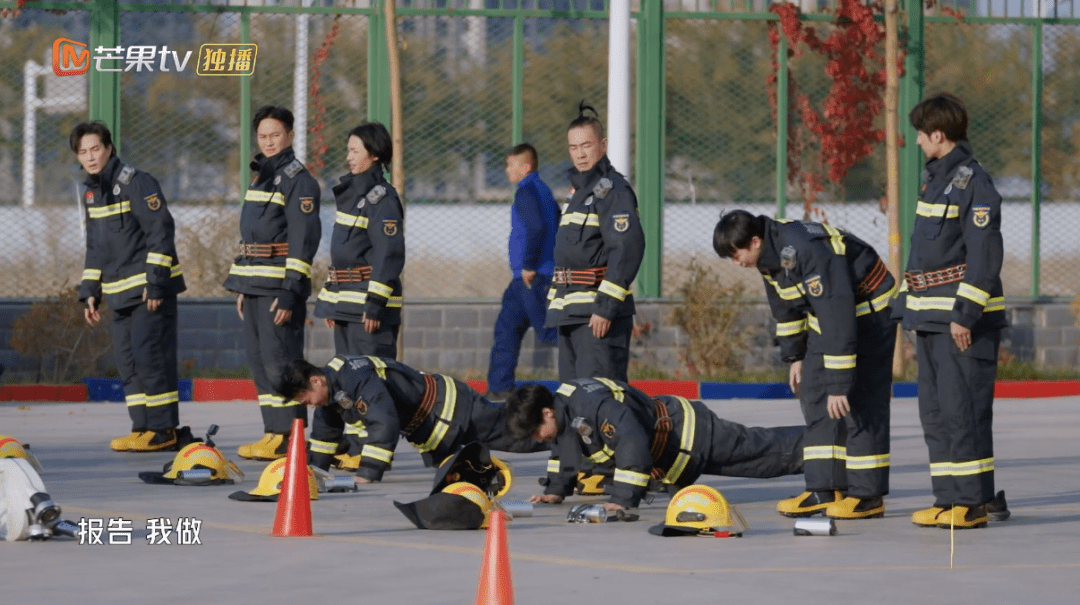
480,75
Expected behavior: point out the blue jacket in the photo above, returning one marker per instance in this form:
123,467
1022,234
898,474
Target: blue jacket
534,220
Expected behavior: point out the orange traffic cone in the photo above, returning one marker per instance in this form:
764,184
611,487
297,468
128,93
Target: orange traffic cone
294,503
496,584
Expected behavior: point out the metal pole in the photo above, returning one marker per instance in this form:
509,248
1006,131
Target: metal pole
30,74
245,109
300,78
1036,151
618,132
892,161
517,111
782,105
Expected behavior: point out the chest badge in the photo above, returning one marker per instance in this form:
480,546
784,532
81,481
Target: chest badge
89,197
277,180
814,287
116,190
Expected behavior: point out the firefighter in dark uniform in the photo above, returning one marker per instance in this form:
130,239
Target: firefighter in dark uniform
380,399
953,299
279,232
651,441
361,300
598,249
131,259
829,292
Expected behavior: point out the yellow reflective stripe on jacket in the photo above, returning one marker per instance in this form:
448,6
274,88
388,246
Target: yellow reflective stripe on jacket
788,293
274,197
135,399
381,289
356,428
572,298
159,259
975,295
257,271
580,218
616,390
790,328
613,290
114,287
937,210
858,463
930,303
836,240
323,447
602,456
358,298
875,304
378,453
91,274
686,442
446,415
335,364
566,389
553,465
958,469
351,220
840,362
380,366
295,264
110,210
813,323
153,401
631,477
824,452
995,304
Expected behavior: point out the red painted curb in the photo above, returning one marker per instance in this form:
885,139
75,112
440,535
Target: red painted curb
480,386
223,389
43,392
681,388
1032,389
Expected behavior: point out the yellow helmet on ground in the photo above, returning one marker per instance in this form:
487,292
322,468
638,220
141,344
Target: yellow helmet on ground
197,464
270,482
699,510
475,495
11,448
474,464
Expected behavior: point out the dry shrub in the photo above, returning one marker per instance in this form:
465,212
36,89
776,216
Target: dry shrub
54,330
207,246
709,313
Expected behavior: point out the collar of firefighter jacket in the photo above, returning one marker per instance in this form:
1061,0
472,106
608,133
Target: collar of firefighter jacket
360,183
105,178
940,168
266,167
585,180
770,253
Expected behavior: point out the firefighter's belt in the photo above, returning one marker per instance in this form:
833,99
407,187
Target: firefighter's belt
919,281
356,274
872,280
660,437
578,277
427,403
264,250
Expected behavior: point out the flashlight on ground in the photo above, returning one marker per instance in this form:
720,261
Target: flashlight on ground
45,511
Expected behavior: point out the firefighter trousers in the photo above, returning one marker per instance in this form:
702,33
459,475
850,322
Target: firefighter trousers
145,348
269,349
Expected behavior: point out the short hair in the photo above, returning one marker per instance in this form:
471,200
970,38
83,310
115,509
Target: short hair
734,231
376,140
586,120
84,128
273,111
297,378
526,149
525,411
944,112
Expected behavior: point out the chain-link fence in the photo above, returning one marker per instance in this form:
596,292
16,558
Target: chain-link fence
459,94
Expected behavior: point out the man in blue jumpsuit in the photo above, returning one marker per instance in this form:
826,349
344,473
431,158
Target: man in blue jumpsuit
534,218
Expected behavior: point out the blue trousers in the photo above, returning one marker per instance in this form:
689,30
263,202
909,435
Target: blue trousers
521,307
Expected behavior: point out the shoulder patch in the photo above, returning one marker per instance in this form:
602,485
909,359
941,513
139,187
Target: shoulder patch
153,202
361,406
788,258
607,429
293,168
963,175
390,227
621,221
126,174
377,193
602,188
980,216
814,287
307,205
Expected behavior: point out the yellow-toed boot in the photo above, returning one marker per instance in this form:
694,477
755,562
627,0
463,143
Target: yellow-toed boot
123,444
346,462
856,508
963,517
244,451
270,449
154,441
927,517
807,503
